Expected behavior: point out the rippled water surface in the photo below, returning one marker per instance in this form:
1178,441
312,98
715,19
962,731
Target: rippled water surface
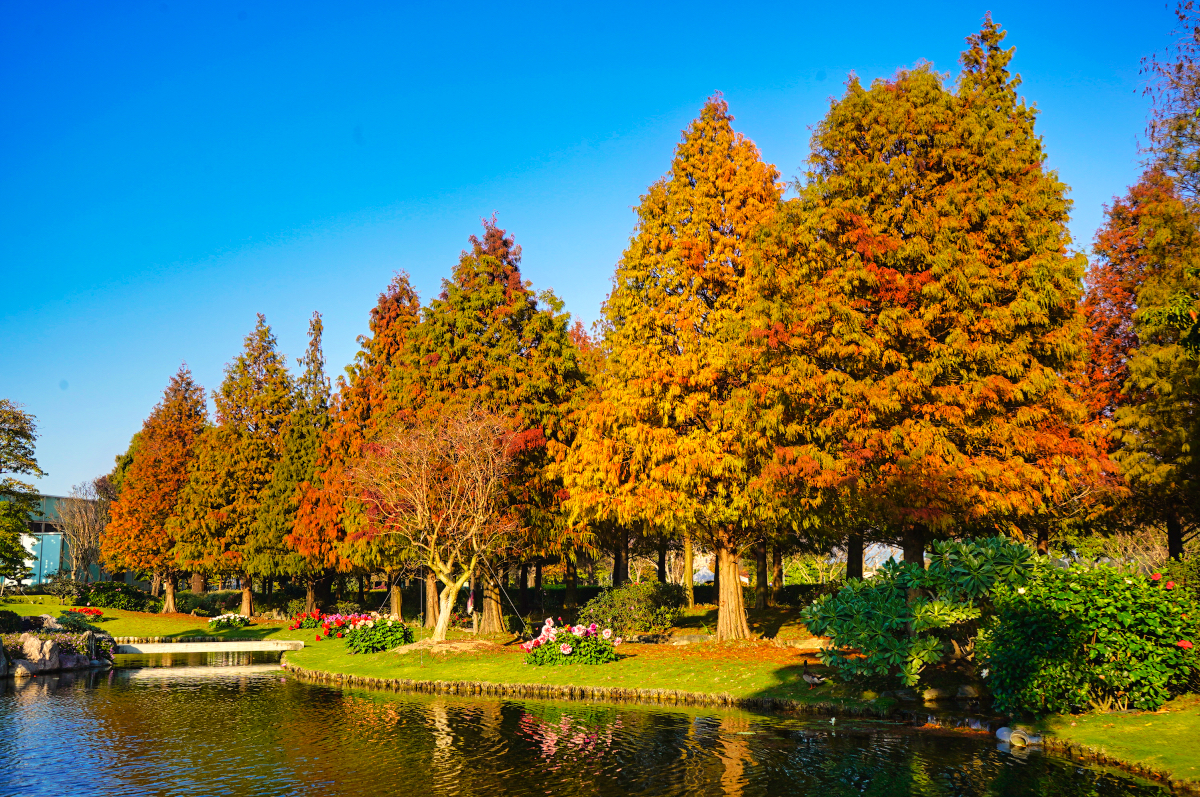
235,725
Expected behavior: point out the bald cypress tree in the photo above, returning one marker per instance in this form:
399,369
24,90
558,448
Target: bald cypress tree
266,552
235,460
668,441
140,535
920,309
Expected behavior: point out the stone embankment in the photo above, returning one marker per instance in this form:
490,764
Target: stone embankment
40,655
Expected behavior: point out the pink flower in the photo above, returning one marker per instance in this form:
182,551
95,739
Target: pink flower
565,649
1170,585
1183,643
549,622
607,633
1156,577
617,641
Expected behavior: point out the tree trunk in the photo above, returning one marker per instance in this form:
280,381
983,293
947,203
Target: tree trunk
776,575
396,600
362,592
570,577
492,621
591,568
197,583
662,561
169,589
310,595
1174,538
247,608
914,545
523,586
444,605
761,581
621,558
716,582
431,601
155,585
537,584
689,594
731,611
854,556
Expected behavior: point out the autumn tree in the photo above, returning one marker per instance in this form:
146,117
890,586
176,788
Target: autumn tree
141,532
266,551
18,434
489,341
919,310
668,442
234,462
329,509
439,487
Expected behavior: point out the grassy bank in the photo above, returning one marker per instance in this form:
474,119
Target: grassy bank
1164,743
120,623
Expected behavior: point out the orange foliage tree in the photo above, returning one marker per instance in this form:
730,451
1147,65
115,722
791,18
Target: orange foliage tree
328,502
667,443
139,535
919,312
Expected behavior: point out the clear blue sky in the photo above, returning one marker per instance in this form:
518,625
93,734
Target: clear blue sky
169,169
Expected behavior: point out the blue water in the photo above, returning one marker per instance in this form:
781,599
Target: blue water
237,725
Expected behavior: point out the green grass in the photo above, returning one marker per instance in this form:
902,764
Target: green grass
1167,741
750,669
120,623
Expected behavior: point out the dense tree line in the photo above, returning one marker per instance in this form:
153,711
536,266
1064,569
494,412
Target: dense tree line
906,349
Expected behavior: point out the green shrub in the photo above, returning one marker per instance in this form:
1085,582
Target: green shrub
650,607
116,595
75,623
295,606
345,607
227,621
373,636
63,586
898,634
1097,638
10,622
572,645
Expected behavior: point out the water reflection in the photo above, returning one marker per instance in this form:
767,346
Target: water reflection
238,726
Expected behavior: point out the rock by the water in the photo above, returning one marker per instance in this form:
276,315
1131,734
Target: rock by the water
968,691
3,665
49,623
937,694
41,653
23,669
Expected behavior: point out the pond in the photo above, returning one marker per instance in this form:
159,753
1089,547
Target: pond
236,724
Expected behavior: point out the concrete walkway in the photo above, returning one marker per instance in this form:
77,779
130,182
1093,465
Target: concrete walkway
237,646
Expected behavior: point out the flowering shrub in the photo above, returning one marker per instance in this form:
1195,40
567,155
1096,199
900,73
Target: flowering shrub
1086,638
336,625
651,606
578,644
221,622
90,611
371,635
75,644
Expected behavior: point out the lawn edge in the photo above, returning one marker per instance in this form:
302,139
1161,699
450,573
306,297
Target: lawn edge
611,694
1077,751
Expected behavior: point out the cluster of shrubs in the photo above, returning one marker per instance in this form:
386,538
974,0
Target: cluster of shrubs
1043,638
576,644
117,595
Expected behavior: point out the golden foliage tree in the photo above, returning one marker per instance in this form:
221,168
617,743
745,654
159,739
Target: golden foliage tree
667,440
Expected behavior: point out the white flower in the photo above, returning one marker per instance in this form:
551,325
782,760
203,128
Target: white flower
1128,581
1020,590
607,633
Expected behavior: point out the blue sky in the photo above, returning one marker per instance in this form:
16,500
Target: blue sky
169,169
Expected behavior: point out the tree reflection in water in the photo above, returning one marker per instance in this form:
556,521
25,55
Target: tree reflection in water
253,732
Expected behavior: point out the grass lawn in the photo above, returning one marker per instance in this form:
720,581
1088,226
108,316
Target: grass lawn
1166,741
745,669
120,623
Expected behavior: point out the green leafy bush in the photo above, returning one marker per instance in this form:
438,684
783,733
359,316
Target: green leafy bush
650,607
1097,638
116,595
906,617
228,621
75,622
348,607
10,622
572,645
375,635
296,606
63,586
